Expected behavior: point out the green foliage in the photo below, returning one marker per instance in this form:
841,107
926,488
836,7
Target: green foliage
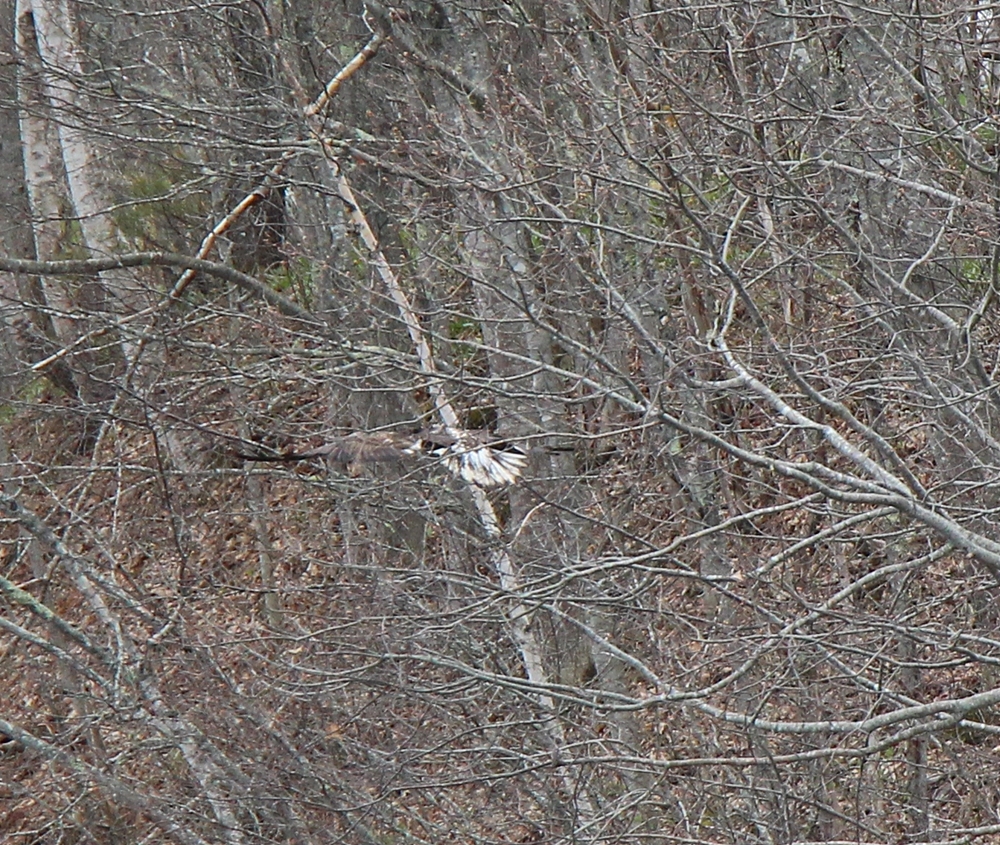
974,271
297,277
71,242
987,135
34,391
155,200
464,328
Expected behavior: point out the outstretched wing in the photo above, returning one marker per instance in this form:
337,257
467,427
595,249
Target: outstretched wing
463,453
356,450
362,448
487,467
467,456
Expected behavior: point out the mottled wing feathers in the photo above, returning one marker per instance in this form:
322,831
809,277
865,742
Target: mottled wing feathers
364,448
357,448
463,453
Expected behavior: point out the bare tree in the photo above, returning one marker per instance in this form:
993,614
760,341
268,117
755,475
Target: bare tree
723,276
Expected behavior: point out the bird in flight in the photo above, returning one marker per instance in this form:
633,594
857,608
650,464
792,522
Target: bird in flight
463,453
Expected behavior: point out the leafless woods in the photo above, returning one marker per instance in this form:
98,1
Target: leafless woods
726,276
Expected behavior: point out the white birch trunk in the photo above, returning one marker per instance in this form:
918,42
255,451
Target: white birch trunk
56,44
43,176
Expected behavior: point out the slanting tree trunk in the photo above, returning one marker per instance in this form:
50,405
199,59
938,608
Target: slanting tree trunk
519,616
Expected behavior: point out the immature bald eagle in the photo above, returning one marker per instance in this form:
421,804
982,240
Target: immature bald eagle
464,453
